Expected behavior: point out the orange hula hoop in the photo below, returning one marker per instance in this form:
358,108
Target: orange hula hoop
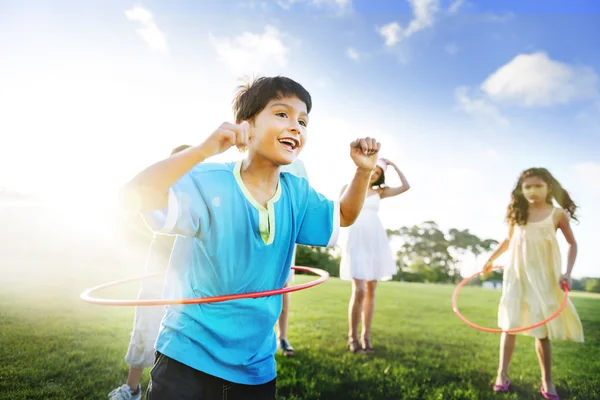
86,295
515,330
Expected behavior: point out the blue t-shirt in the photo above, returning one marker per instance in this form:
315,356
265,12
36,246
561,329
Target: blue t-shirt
296,168
227,244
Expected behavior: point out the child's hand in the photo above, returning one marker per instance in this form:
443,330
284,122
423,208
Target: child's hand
226,136
364,152
487,268
566,278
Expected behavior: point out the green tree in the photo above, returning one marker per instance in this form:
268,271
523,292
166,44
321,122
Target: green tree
579,284
592,285
463,242
492,276
318,257
424,253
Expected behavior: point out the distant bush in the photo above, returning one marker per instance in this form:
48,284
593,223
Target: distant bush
592,285
318,257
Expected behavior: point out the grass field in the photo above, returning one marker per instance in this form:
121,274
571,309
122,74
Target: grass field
54,346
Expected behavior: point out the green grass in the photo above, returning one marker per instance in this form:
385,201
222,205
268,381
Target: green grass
54,346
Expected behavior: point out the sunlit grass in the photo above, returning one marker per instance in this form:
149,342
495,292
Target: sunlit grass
54,346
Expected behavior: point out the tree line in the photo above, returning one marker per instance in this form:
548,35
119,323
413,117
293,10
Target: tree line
428,254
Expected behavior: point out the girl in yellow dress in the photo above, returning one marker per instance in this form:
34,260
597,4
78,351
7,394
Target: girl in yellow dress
531,289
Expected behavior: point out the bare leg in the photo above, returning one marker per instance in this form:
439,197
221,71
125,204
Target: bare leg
355,308
368,310
284,345
507,346
544,353
283,317
134,378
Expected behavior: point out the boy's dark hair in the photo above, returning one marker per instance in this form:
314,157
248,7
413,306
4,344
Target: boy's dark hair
252,97
180,148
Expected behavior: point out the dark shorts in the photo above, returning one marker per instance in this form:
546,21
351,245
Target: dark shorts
172,380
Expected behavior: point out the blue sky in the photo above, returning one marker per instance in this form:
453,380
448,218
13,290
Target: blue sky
463,95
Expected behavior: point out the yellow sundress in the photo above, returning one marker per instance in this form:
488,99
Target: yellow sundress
531,290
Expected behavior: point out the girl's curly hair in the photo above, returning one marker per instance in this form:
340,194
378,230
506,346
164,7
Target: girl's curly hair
518,210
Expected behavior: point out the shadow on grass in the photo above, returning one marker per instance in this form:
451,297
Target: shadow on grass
436,371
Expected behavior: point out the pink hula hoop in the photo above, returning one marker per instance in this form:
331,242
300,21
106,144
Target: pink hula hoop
86,295
515,330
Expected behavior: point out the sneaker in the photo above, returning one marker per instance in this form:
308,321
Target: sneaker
125,393
286,348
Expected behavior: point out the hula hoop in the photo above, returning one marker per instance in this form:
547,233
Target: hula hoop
514,330
86,295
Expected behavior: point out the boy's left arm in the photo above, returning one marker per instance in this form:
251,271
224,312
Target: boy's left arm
364,154
322,217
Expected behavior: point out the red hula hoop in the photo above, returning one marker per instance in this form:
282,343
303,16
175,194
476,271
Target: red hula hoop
86,295
515,330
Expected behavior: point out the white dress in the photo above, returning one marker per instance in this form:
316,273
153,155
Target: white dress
366,253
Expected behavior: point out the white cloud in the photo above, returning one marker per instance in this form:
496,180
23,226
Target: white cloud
454,7
341,5
252,52
338,3
286,4
589,118
452,49
494,154
255,5
535,80
323,82
478,106
153,36
390,33
353,54
423,13
501,18
589,172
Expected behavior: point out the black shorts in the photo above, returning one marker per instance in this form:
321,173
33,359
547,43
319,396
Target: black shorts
172,380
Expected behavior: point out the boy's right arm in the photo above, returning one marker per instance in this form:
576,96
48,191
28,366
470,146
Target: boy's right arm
149,190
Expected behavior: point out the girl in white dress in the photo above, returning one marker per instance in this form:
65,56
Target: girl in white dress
367,257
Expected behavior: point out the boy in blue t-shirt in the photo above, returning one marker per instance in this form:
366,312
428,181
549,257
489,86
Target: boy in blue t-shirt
236,226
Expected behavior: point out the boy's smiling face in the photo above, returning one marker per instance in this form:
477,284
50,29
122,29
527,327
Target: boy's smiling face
278,132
